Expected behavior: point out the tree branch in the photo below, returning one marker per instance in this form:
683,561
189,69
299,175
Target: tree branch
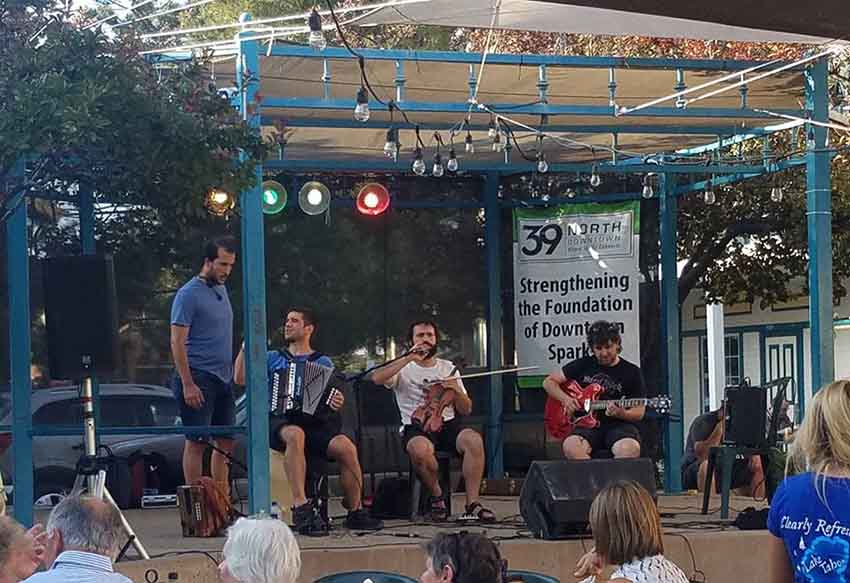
696,267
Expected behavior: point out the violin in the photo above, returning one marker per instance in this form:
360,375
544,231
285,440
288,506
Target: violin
429,415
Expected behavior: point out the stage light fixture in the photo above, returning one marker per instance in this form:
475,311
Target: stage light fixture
274,197
219,201
373,199
314,198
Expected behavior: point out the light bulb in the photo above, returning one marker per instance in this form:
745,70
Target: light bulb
391,145
220,197
681,102
571,193
810,139
270,197
776,194
371,200
418,162
542,165
314,197
317,38
497,143
595,179
647,191
491,130
545,197
361,110
709,197
438,170
452,164
470,147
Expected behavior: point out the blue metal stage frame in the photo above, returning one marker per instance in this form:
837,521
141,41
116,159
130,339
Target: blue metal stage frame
670,187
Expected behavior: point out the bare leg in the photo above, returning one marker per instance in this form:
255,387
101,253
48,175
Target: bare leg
193,460
218,464
471,447
421,452
342,449
294,462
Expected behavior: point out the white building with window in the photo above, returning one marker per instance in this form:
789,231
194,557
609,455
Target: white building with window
760,344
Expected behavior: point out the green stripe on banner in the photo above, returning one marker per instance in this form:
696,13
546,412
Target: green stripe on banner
532,382
585,208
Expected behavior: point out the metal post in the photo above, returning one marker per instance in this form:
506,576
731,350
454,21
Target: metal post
819,220
19,356
716,346
670,332
254,292
492,234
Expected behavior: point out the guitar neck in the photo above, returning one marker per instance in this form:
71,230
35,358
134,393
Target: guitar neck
621,402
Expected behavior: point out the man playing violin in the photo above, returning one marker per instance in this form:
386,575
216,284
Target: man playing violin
296,434
429,417
619,379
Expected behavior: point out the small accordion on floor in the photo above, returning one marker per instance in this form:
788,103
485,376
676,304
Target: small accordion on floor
304,387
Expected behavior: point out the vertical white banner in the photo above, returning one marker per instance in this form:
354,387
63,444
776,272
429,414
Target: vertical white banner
573,265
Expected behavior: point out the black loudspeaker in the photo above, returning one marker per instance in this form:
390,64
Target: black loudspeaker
746,416
82,316
556,496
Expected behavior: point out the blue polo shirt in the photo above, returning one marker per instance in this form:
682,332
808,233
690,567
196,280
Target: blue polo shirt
207,312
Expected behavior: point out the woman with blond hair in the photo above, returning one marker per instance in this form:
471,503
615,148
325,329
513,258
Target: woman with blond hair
21,551
627,537
810,512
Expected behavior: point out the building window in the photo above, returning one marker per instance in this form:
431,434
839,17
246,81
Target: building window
734,364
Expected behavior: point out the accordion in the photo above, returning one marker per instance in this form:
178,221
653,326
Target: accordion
304,387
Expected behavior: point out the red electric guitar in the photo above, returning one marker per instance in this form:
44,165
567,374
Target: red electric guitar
559,425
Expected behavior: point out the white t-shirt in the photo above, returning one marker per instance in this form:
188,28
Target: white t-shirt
409,386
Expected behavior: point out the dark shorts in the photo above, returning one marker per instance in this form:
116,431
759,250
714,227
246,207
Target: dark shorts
219,406
443,440
741,475
605,436
317,435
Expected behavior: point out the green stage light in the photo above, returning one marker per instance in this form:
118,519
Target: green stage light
274,197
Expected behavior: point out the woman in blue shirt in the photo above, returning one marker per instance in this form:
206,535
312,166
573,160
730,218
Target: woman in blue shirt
810,513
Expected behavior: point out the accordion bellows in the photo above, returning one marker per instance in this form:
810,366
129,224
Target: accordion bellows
301,387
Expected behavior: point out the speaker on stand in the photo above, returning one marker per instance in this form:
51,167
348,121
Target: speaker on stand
82,316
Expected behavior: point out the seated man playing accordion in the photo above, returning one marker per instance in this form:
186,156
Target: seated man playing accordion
296,432
428,412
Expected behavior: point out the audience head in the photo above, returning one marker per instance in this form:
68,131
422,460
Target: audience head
83,523
260,550
18,556
462,558
625,524
822,444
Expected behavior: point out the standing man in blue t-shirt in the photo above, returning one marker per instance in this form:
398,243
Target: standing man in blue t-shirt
202,347
297,434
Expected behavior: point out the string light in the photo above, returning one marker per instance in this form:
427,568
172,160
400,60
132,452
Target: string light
391,147
497,142
595,179
491,128
452,164
708,196
810,138
438,169
361,110
542,164
418,162
317,38
468,145
647,191
776,194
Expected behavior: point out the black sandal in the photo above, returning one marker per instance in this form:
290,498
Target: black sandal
476,511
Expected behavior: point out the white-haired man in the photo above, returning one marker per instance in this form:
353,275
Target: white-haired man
260,550
83,540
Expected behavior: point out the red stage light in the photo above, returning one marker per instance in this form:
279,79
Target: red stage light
373,199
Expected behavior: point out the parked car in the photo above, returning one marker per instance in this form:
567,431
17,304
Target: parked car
121,405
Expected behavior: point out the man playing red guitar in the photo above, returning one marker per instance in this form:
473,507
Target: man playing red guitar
428,414
619,379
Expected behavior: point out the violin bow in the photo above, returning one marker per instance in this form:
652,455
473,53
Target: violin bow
479,374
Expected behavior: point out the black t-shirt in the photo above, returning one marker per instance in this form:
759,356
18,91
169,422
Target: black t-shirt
702,427
621,381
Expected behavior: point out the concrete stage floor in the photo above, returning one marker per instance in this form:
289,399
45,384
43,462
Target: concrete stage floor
705,547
